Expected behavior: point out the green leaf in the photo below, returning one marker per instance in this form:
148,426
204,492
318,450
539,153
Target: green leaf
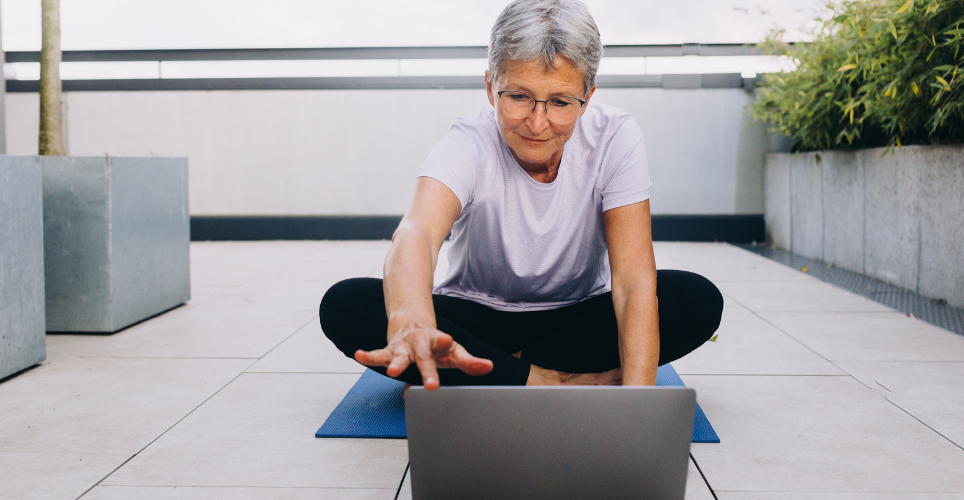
894,94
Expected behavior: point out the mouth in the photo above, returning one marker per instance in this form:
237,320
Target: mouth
534,142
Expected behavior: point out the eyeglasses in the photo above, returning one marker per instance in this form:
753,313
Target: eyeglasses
517,105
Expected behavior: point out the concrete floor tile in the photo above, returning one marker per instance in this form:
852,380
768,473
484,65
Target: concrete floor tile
818,434
227,263
269,295
46,476
664,259
195,331
870,336
356,249
105,405
748,345
259,432
696,488
804,296
221,493
405,491
307,351
931,392
723,262
784,437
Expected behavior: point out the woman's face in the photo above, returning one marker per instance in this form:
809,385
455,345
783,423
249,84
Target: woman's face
535,141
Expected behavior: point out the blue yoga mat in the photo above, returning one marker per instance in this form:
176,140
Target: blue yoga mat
374,408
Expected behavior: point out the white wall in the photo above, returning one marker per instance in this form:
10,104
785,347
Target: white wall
705,152
3,89
356,152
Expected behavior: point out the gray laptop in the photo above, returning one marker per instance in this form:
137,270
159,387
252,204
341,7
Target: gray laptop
549,442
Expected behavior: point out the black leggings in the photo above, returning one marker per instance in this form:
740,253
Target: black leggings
581,338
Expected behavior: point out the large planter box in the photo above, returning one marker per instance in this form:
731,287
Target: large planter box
116,240
897,217
21,265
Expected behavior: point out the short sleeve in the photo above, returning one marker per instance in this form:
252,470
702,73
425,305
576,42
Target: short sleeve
456,161
625,169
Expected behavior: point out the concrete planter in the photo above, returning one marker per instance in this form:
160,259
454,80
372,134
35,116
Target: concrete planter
21,265
116,240
895,217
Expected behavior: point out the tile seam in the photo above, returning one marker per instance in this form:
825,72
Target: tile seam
202,403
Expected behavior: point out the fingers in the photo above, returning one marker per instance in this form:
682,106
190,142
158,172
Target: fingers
453,355
442,343
425,359
378,357
397,359
429,352
469,363
399,364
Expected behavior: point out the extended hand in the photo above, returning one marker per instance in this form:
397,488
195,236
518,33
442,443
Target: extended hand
430,349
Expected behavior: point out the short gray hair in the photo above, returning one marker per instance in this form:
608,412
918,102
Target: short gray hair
529,30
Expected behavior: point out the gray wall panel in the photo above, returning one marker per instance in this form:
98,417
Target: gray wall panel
777,197
806,206
901,211
843,211
356,152
892,216
942,223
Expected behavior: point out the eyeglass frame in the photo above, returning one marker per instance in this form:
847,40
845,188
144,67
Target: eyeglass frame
545,102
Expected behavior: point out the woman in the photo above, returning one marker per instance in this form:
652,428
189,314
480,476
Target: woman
537,193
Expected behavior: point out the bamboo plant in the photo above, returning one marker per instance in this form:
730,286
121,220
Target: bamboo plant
877,73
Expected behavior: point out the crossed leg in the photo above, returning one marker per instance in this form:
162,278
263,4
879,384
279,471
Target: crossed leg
577,339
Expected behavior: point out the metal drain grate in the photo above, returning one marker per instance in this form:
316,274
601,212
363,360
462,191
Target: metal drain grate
935,312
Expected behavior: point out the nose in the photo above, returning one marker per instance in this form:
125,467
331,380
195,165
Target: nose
537,120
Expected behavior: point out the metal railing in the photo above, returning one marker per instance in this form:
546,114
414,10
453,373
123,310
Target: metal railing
329,53
687,81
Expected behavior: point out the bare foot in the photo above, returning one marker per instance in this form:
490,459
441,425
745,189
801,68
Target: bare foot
542,376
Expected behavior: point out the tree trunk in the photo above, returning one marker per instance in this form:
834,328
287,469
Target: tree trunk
51,115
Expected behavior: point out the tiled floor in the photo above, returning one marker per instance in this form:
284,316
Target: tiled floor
815,392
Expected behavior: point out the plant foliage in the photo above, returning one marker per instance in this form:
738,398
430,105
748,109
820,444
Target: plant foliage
877,73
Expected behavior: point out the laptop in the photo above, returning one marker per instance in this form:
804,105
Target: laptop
549,442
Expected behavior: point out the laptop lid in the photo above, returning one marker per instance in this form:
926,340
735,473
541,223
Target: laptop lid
549,442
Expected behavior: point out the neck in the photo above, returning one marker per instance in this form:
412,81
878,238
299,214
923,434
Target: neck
544,172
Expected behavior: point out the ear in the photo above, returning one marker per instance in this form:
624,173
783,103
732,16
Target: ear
488,87
588,96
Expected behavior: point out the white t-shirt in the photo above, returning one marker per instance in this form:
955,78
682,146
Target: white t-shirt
519,244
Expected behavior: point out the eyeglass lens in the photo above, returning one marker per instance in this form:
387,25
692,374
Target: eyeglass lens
518,105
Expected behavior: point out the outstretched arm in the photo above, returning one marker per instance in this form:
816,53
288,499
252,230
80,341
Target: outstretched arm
413,335
633,266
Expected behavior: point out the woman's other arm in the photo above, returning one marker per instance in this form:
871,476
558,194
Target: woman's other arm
633,265
409,268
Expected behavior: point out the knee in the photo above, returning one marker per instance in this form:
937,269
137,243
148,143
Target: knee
693,301
340,307
709,301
